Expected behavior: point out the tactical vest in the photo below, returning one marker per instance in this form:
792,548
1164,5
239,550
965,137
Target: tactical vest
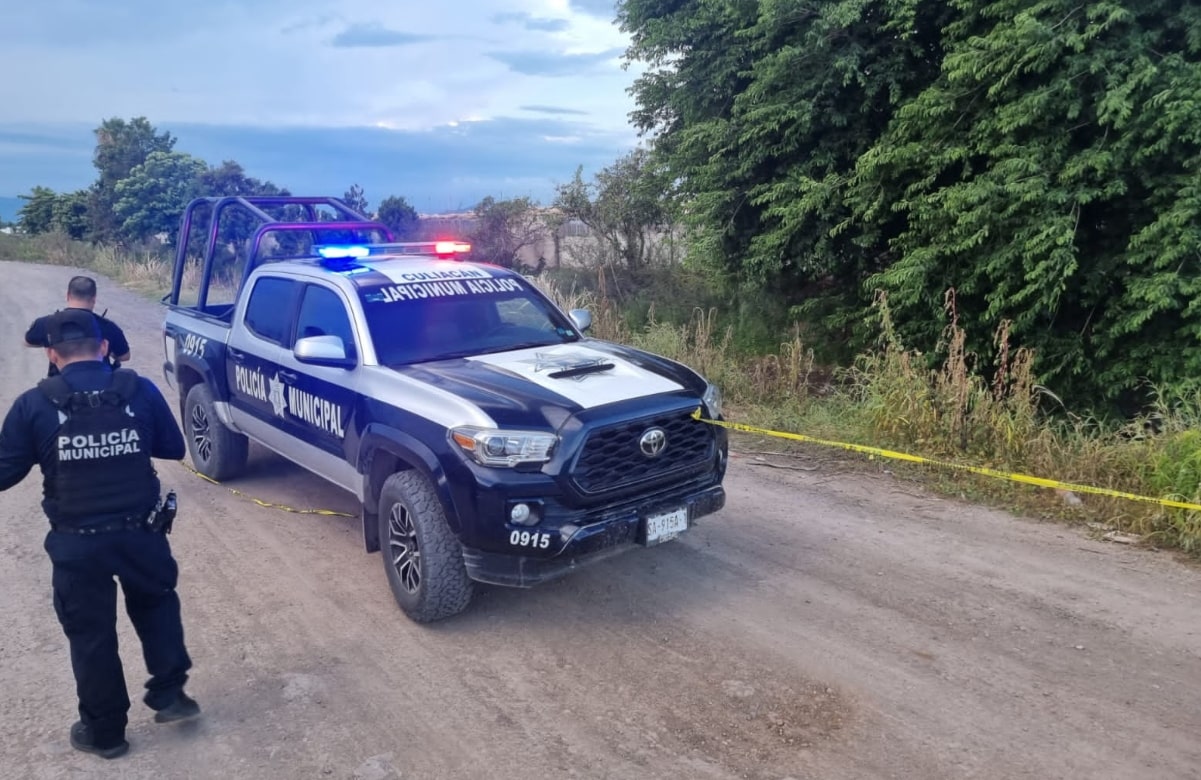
104,465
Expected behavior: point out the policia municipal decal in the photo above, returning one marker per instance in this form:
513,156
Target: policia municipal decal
420,285
320,413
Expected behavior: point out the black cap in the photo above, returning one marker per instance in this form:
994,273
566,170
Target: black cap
70,325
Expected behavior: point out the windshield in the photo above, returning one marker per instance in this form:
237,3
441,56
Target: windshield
418,322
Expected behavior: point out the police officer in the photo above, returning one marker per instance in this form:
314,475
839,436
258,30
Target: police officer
94,431
81,294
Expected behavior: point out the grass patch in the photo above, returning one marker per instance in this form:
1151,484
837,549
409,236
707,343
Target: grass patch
887,398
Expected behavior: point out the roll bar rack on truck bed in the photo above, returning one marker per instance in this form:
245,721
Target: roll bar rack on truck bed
255,208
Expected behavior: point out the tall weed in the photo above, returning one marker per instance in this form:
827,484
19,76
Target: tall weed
953,410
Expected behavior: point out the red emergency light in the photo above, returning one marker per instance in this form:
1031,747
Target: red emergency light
451,248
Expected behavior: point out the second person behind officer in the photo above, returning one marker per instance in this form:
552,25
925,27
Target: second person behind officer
81,294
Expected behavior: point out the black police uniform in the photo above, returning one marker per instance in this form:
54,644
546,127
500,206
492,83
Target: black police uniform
98,532
109,331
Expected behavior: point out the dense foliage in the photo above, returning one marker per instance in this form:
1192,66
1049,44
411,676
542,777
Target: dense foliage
1041,158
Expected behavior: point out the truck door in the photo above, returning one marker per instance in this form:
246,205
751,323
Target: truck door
259,339
321,399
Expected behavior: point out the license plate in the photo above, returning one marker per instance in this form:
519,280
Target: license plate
666,526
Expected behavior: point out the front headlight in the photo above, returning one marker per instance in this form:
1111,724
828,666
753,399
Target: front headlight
712,399
492,447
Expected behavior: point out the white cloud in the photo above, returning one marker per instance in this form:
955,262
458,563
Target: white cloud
272,63
444,102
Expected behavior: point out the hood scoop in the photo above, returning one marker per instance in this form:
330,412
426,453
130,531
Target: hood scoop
582,369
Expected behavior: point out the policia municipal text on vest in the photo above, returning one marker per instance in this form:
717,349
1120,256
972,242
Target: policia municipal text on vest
100,445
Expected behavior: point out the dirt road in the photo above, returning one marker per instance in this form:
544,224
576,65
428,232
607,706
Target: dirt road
821,626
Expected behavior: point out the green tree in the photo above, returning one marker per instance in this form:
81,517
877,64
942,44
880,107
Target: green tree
760,111
230,179
152,198
625,207
71,214
1052,176
237,226
400,217
1041,158
505,227
37,215
355,198
121,146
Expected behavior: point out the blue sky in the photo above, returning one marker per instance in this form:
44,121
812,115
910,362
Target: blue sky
441,102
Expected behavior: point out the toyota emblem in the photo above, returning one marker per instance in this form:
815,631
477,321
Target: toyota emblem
653,441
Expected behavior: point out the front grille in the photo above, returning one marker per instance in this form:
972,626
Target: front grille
612,457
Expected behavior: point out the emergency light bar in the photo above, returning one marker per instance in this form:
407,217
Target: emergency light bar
439,248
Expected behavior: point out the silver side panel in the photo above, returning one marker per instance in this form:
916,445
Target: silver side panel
438,406
329,467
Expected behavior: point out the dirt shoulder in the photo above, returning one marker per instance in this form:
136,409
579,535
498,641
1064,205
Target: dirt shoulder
824,625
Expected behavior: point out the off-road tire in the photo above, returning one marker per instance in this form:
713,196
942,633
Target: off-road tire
422,557
216,451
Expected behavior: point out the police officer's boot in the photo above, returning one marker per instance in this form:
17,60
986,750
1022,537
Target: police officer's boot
83,739
182,708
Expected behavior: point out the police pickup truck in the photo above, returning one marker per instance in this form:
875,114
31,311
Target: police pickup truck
486,436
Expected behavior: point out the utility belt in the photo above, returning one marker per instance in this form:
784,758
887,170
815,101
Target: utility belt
161,518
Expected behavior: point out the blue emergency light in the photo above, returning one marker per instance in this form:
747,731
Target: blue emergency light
332,252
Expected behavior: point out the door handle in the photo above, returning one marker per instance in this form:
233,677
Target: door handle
236,355
288,376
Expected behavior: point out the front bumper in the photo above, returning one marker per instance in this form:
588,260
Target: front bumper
616,531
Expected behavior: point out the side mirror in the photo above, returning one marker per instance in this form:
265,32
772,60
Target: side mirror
582,319
323,351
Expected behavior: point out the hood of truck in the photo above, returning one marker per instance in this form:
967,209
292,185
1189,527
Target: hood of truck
541,386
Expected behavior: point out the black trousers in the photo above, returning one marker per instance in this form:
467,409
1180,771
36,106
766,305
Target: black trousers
85,599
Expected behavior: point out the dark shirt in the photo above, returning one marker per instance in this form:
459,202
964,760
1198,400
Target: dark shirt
118,345
27,437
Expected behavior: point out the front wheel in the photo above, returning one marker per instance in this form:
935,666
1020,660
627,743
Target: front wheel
217,452
422,557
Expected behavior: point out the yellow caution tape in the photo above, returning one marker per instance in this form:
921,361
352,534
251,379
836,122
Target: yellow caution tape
981,470
268,504
860,448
